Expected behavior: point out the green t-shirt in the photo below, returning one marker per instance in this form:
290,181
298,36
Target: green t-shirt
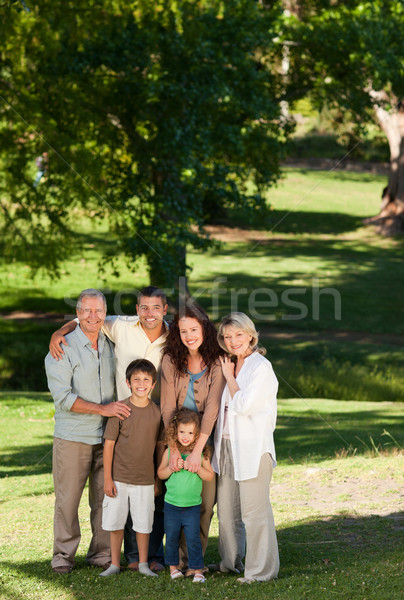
183,488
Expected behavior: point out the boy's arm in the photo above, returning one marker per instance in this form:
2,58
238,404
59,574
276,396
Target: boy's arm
164,471
159,452
160,449
58,338
109,485
206,472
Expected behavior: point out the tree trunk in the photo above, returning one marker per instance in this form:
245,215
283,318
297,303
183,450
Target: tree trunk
177,290
174,280
390,220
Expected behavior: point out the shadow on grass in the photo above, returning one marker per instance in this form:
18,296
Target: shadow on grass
312,436
28,460
282,221
348,378
352,550
23,347
350,287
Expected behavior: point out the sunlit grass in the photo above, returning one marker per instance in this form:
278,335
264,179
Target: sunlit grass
337,518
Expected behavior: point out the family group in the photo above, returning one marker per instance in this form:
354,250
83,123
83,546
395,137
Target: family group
163,420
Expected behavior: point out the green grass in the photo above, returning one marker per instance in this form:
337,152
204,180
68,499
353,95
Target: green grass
339,370
338,519
314,250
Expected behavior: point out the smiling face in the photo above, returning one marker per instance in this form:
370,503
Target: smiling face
237,341
191,333
186,434
141,384
91,315
151,312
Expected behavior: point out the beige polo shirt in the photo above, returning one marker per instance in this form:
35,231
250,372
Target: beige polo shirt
131,342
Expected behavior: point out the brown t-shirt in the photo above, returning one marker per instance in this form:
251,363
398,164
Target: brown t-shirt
135,441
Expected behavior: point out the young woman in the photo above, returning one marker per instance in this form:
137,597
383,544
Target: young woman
192,377
245,454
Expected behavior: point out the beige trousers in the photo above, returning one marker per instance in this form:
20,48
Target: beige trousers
73,464
245,517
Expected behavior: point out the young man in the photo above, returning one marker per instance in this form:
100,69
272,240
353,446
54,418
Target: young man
141,336
129,473
82,387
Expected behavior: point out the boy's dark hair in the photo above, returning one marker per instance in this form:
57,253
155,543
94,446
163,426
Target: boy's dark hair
152,291
141,365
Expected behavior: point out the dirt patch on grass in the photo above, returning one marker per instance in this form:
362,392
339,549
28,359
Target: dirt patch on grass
222,233
266,332
364,489
37,316
334,335
326,164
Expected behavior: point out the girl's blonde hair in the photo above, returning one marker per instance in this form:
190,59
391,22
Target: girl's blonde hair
241,322
183,416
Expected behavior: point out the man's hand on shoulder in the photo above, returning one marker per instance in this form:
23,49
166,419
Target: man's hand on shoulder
55,345
116,409
113,409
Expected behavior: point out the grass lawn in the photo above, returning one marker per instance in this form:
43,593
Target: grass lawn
291,274
337,500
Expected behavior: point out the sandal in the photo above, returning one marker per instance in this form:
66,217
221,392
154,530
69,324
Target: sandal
176,574
191,572
199,578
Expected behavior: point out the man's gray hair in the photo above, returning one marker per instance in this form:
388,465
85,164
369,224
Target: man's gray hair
91,293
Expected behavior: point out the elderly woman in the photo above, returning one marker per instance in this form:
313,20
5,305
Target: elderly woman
191,377
244,454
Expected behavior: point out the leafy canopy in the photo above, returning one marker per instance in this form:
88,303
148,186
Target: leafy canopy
154,116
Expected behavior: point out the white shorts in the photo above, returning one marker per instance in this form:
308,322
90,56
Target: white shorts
139,499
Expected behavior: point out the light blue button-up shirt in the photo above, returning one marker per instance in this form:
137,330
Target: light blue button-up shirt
85,373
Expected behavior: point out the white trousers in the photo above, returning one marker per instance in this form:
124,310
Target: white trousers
245,517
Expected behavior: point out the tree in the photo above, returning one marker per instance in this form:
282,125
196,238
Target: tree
149,112
350,55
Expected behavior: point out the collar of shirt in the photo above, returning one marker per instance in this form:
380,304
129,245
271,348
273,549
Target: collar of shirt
85,341
160,340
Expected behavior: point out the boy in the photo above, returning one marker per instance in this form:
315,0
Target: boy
129,479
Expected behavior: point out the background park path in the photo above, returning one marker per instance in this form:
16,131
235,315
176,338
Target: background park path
267,332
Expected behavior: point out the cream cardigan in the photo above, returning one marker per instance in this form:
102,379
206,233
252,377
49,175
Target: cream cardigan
252,418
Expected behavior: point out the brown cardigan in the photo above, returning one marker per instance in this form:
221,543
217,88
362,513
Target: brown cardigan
208,393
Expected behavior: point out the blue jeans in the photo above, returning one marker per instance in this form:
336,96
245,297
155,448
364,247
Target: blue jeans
189,518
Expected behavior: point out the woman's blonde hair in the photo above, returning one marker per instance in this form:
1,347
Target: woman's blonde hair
242,322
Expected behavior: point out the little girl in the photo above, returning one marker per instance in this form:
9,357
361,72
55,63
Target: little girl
182,504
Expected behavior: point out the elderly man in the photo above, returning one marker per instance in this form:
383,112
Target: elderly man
141,336
82,387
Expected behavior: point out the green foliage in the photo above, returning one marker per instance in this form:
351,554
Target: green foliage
341,50
148,112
